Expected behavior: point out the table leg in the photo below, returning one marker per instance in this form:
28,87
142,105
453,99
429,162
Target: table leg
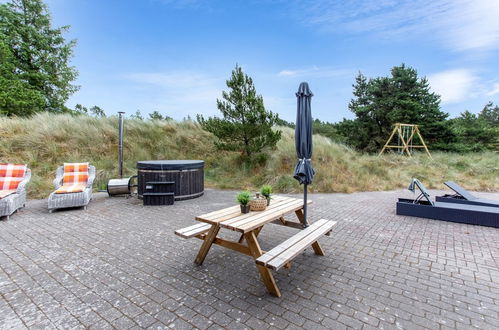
316,246
267,277
257,231
207,243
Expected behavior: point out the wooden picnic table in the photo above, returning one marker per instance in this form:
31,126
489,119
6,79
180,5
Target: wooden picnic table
250,225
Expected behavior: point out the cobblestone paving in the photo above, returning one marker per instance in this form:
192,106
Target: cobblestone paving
119,265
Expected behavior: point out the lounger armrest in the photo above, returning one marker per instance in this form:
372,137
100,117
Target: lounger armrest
59,175
24,182
91,176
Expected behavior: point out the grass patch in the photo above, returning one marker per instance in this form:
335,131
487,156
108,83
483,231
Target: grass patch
45,141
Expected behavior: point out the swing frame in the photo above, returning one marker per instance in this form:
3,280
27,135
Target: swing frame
405,144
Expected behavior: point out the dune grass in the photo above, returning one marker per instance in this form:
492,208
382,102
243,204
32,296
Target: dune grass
45,141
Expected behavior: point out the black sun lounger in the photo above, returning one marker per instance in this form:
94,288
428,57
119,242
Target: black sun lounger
462,196
454,212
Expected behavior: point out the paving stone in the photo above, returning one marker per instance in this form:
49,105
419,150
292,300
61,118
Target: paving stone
180,324
294,318
165,316
118,264
332,324
255,323
144,320
201,322
123,323
350,322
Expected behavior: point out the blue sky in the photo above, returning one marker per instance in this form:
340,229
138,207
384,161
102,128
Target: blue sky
174,56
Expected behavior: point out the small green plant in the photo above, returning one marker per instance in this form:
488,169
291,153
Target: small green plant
266,191
243,197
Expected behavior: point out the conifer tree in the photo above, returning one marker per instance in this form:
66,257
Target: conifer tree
403,97
246,126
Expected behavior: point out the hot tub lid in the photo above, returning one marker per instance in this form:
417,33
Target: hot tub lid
166,165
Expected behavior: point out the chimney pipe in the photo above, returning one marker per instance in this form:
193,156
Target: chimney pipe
120,145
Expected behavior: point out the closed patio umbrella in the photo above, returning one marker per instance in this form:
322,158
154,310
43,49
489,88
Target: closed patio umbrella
304,172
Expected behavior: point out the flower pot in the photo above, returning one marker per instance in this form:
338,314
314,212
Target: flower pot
268,201
245,208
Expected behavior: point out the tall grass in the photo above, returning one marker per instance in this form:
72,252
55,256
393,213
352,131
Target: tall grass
45,141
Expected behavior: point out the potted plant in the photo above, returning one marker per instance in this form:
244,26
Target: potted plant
266,191
244,198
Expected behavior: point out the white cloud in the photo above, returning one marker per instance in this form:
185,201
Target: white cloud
453,85
458,24
287,73
494,90
315,71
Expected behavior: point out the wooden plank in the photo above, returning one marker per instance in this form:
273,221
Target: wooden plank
256,215
290,253
316,245
267,257
233,246
193,231
241,217
388,141
212,215
264,217
208,241
232,212
187,229
266,275
277,205
422,141
255,224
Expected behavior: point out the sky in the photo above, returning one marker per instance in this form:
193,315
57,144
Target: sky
175,56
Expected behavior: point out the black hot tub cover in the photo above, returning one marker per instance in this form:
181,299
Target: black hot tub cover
170,164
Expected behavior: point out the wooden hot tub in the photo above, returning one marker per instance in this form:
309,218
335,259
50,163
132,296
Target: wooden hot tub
187,176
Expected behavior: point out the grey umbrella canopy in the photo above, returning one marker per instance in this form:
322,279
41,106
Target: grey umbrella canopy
304,172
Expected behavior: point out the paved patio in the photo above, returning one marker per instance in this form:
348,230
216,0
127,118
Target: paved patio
119,265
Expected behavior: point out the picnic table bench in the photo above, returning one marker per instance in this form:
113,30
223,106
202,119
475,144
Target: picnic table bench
250,225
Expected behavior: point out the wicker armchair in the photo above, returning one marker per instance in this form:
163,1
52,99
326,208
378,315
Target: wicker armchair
13,202
78,199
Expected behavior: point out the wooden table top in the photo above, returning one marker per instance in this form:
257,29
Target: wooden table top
233,219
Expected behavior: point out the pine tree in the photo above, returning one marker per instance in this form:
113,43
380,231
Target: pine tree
246,126
40,54
403,97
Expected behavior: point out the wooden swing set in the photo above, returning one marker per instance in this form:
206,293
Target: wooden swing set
405,137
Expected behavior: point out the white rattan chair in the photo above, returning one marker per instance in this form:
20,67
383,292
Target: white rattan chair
77,199
13,202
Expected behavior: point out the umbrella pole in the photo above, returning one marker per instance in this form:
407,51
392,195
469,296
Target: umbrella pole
305,222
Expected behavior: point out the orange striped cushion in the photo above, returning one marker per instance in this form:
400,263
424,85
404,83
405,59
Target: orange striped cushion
75,173
75,188
12,170
75,167
75,178
5,193
9,183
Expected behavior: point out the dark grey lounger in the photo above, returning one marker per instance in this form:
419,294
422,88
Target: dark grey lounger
454,212
462,196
